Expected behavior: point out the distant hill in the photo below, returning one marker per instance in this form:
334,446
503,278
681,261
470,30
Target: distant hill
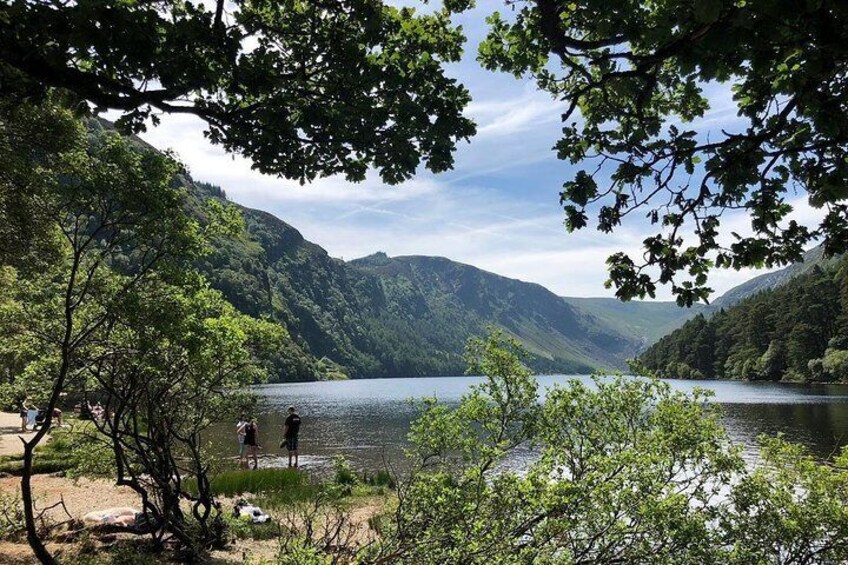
768,281
644,321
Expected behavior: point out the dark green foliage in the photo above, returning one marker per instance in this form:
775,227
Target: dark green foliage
304,89
797,331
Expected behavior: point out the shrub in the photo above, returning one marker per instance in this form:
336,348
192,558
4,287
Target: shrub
11,516
344,474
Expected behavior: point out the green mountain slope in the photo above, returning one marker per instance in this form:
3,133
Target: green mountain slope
649,321
643,321
795,330
449,301
397,317
407,316
813,257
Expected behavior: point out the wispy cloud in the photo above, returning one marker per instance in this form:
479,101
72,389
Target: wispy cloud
514,115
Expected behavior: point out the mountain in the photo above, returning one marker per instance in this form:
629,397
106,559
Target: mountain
380,316
408,316
648,321
404,316
812,258
642,321
451,301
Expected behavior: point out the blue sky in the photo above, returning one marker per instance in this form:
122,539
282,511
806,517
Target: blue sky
498,209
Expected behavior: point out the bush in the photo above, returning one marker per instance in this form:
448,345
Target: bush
11,516
382,479
344,474
835,364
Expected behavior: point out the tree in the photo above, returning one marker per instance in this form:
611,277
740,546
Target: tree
632,78
170,362
303,89
604,481
104,203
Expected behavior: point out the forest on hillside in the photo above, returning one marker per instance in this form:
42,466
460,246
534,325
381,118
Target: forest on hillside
796,332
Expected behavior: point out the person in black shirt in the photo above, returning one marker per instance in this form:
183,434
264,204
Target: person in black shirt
290,431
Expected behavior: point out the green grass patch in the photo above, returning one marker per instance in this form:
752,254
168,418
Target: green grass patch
286,485
74,450
40,466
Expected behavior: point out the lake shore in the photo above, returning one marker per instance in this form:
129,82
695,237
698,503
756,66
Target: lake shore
71,499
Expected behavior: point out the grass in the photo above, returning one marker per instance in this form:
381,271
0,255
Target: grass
281,486
67,450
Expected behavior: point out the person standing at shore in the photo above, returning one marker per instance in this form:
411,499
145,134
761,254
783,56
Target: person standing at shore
291,429
240,438
251,439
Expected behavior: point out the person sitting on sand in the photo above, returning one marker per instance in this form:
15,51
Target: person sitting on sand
251,440
290,431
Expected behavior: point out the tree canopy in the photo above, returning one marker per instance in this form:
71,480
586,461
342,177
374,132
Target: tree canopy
633,78
303,89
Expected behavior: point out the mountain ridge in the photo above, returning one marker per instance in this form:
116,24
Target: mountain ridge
409,315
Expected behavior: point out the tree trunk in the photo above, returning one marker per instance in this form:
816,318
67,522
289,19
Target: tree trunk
38,547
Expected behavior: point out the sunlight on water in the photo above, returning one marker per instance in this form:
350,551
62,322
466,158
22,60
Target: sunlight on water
367,420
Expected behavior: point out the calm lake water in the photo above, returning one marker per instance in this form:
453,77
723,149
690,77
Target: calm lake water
367,420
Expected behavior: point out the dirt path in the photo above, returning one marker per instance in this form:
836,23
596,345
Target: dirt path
10,432
80,497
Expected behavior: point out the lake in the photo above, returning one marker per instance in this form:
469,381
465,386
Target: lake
367,420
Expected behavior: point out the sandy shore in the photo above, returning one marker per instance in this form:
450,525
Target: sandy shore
83,495
80,497
10,434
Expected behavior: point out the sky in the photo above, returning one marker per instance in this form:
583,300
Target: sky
497,210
